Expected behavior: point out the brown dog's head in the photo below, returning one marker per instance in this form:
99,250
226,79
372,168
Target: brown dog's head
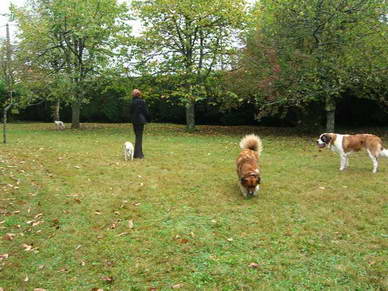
324,140
251,182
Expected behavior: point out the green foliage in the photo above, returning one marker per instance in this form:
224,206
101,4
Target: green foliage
70,42
310,51
187,38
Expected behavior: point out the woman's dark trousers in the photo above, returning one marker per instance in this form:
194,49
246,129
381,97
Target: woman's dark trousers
138,129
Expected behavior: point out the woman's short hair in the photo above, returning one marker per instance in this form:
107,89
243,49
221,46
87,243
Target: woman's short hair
136,93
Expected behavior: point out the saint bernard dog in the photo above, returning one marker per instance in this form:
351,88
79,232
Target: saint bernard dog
345,144
248,171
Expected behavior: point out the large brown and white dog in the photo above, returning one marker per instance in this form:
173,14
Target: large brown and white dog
345,144
248,170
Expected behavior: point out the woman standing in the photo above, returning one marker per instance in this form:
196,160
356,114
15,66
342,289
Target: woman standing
140,116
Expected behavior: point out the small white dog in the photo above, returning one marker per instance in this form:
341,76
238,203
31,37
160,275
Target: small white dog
128,151
59,124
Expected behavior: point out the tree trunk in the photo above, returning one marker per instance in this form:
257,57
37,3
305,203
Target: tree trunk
75,110
190,116
56,111
5,113
330,107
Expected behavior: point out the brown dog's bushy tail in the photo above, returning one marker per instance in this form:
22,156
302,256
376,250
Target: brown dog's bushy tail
252,142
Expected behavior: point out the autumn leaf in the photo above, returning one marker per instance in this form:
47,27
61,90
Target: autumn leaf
177,286
3,256
27,247
38,215
130,224
254,265
9,236
108,279
39,289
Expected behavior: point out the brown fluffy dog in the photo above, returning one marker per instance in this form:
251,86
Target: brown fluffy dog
248,171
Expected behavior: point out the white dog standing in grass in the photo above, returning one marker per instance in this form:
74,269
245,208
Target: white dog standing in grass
128,151
59,124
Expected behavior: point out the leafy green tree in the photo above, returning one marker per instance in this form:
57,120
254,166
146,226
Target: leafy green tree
303,51
189,38
74,39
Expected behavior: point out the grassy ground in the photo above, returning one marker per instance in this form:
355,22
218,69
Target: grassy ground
75,216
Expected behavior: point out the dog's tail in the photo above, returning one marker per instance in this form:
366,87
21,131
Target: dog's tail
252,142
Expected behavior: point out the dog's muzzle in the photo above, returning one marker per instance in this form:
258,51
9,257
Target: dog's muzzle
320,144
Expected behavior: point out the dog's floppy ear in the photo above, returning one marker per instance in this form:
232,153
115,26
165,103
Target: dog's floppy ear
326,138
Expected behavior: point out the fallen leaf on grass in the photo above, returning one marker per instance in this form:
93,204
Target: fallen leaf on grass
97,289
98,212
322,188
107,279
39,289
27,247
184,241
123,233
3,256
77,200
177,286
254,265
229,239
38,215
130,224
77,167
9,236
26,279
35,223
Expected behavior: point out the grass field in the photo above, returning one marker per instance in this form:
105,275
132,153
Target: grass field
75,216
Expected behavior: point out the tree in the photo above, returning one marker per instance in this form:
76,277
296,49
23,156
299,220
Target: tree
12,94
79,39
306,50
187,38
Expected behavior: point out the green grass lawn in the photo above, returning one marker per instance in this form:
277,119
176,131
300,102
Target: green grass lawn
75,216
